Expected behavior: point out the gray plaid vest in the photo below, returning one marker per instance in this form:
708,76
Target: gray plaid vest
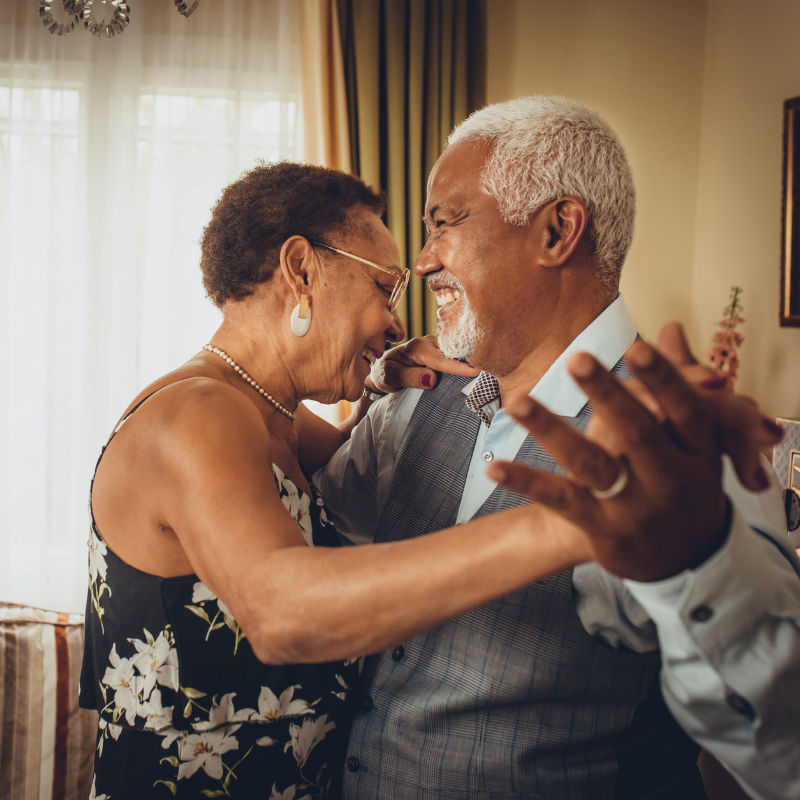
514,699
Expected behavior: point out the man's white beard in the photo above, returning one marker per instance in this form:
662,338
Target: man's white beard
459,337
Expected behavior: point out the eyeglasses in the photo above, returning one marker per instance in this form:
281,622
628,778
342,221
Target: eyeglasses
402,278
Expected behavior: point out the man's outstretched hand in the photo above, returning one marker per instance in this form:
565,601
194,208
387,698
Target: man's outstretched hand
743,429
672,514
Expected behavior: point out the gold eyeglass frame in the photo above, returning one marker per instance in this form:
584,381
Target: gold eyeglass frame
402,279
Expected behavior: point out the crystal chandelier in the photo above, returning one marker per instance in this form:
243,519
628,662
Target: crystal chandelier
102,18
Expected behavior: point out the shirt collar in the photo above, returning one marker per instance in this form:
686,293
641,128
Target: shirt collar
606,338
484,399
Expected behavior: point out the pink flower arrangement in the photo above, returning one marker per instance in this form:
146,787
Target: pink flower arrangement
727,339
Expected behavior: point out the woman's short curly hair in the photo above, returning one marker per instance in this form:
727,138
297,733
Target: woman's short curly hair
256,214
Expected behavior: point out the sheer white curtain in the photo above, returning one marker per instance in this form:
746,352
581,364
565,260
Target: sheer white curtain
111,156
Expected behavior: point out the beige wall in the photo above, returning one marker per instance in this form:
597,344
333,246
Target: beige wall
695,91
752,66
639,64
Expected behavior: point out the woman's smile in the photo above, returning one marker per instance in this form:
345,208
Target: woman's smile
369,356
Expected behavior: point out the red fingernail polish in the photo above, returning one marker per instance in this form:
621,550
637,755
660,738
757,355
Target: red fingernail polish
469,365
772,427
761,477
426,380
714,383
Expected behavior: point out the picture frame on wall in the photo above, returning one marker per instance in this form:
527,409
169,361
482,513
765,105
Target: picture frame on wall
786,462
790,242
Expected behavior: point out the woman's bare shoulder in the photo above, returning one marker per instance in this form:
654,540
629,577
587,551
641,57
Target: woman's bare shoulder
189,376
206,400
189,410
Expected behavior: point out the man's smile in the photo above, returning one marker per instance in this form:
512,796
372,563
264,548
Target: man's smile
447,297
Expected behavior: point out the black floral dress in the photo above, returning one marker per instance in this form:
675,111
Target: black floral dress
186,709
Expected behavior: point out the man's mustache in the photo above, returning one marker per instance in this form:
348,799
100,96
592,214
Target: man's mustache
446,279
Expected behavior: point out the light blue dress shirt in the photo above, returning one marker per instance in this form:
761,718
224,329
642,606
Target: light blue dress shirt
729,630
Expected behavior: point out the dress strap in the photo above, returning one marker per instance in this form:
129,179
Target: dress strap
135,408
121,423
102,452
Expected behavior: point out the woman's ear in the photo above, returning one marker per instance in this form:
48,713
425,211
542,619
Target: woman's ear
298,265
563,225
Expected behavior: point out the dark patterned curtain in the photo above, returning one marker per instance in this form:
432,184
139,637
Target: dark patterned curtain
414,69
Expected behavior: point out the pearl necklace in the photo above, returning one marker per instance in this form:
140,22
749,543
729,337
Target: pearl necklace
268,397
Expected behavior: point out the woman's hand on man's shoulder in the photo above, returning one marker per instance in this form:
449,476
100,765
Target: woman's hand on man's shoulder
415,365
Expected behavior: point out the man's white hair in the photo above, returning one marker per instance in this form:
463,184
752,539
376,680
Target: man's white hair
546,147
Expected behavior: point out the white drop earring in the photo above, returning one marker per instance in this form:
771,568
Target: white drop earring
301,317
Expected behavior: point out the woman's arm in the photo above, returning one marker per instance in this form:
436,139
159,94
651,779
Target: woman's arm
300,604
318,440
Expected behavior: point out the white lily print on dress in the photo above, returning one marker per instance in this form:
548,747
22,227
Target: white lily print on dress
286,794
97,569
94,795
157,661
271,707
305,739
201,595
171,735
222,713
296,504
98,550
204,750
323,517
126,685
107,728
156,716
343,684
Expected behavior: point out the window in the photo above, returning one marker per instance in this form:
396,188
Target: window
112,154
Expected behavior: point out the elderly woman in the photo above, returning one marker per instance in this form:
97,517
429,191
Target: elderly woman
223,621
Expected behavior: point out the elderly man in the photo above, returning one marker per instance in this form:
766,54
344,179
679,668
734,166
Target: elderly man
561,689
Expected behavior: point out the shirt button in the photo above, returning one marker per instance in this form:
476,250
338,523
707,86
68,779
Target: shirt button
398,652
701,614
367,703
488,456
739,704
353,764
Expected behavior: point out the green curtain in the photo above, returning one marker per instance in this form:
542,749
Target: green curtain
414,69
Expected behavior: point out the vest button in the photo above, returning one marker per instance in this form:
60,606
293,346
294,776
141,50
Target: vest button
739,704
488,456
353,764
366,703
701,613
398,652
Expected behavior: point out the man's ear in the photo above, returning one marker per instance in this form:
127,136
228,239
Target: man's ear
562,228
298,265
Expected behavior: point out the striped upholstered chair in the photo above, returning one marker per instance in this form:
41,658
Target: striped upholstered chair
46,742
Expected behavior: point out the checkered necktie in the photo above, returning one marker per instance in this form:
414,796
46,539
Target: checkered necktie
484,399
